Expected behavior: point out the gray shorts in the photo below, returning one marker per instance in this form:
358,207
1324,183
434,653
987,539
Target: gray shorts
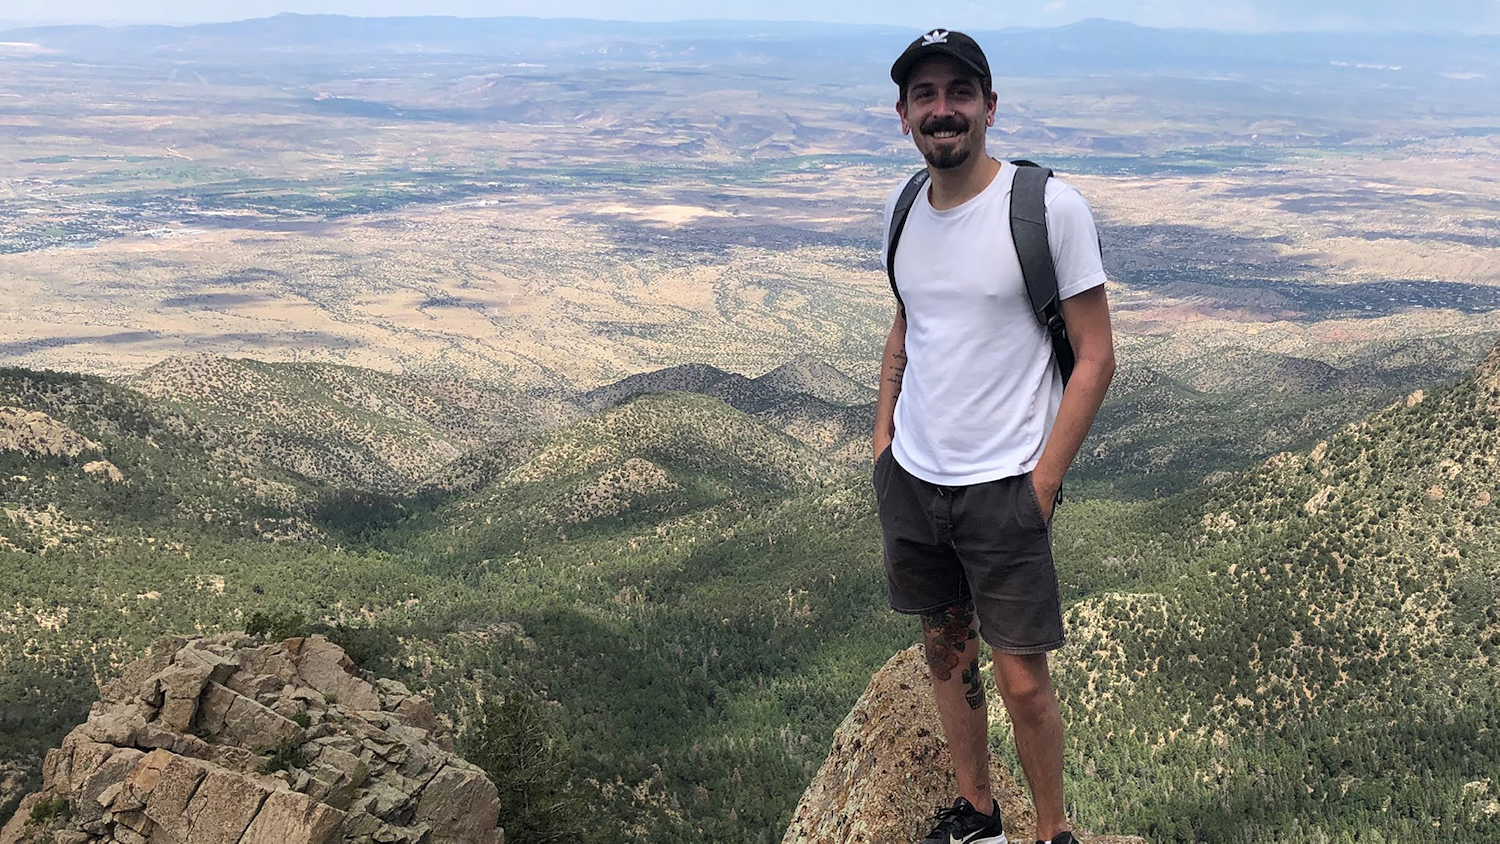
987,542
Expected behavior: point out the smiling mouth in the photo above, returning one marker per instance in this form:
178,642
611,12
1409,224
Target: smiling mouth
945,134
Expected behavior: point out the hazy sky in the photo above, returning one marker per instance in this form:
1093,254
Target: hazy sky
1463,15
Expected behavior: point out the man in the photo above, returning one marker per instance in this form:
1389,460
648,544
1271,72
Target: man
974,431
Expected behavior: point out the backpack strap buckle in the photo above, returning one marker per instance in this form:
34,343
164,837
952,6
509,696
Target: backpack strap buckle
1055,325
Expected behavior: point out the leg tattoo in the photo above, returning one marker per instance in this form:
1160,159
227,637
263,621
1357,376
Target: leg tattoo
975,693
946,634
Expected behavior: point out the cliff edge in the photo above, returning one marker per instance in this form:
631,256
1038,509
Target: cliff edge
889,770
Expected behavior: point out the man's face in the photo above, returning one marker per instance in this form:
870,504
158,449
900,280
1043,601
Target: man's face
946,111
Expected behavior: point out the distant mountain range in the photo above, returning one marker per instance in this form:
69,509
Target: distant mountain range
1092,46
365,430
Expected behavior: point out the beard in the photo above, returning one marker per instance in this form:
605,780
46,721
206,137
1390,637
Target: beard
946,157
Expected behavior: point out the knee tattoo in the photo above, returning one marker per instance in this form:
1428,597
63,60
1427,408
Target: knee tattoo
947,634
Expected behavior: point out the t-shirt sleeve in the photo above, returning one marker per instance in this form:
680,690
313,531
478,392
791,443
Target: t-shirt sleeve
1075,243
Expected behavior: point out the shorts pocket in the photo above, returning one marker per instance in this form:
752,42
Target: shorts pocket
1036,502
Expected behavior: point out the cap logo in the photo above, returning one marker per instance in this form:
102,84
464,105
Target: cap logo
937,36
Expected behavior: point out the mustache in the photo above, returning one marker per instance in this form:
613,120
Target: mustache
945,124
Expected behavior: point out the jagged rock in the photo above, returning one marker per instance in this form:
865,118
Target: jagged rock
325,667
291,818
336,776
179,685
889,770
118,762
203,742
232,716
221,808
458,804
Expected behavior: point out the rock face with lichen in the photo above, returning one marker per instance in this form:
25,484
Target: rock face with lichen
889,770
220,739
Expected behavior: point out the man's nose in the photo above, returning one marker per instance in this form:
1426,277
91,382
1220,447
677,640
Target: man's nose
942,106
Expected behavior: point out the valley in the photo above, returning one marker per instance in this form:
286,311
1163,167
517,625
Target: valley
677,583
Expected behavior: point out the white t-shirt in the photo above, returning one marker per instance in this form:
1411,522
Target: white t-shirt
981,388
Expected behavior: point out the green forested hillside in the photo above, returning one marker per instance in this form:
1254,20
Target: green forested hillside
122,520
687,600
345,426
83,462
1328,658
1165,427
1163,430
694,590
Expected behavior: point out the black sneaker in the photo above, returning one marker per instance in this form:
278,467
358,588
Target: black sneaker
1062,838
963,824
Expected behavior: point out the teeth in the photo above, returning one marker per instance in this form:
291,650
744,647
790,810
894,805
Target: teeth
945,134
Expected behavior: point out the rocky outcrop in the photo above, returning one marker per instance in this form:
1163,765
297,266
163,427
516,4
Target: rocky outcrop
889,770
36,434
224,741
106,469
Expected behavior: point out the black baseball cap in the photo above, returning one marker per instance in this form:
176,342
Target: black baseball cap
943,42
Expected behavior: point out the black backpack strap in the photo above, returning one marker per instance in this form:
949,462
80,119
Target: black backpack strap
1028,226
898,222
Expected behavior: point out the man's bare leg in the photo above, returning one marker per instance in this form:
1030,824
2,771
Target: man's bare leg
951,641
1026,688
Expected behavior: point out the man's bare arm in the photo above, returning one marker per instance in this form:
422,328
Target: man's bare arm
892,370
1087,316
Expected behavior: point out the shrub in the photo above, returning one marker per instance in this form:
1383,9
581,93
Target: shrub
512,740
286,755
371,648
51,808
275,625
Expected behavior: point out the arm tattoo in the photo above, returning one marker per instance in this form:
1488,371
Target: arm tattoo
898,369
